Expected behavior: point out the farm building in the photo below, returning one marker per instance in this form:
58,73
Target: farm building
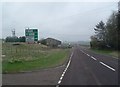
52,42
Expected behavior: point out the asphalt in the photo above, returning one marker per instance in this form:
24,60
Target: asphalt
40,77
89,68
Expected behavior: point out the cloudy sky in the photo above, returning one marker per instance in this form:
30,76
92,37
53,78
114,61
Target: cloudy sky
66,21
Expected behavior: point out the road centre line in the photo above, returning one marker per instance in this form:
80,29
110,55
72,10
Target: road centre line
107,66
87,54
100,61
93,58
64,71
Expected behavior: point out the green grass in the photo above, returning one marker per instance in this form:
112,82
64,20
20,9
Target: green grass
107,52
31,57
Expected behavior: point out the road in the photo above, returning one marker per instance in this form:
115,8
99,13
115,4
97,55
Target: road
83,68
88,68
41,77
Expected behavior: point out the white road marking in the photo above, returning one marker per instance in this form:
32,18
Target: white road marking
82,51
107,66
93,58
59,81
99,62
61,77
63,74
64,71
87,54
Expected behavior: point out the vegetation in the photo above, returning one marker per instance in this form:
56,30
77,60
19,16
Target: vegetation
15,39
113,53
25,57
107,34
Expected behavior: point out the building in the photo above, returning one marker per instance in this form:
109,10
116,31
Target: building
52,42
31,35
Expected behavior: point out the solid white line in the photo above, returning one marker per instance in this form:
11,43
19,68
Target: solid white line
64,71
93,58
107,66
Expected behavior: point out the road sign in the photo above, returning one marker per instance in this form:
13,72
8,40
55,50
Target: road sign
31,35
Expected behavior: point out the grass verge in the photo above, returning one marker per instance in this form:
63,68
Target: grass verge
32,59
113,53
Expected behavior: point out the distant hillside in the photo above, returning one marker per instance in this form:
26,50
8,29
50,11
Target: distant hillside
84,42
78,42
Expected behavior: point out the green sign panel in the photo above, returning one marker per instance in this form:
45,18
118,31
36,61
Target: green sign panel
31,35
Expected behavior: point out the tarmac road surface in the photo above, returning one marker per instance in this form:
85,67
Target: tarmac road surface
88,68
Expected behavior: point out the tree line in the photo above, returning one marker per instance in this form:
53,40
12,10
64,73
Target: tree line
107,34
15,39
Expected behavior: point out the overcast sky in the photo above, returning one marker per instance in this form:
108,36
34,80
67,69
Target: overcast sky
66,21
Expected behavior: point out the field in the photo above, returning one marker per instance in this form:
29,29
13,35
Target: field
113,53
26,57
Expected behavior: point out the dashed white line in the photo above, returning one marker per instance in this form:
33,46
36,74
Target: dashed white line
99,62
61,77
63,74
107,66
93,58
59,82
64,71
87,54
82,51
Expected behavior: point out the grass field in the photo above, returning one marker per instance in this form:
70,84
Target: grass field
107,52
26,57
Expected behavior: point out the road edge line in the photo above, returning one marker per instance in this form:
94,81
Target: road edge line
64,71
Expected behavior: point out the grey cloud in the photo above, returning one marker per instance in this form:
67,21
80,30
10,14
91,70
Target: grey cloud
62,20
